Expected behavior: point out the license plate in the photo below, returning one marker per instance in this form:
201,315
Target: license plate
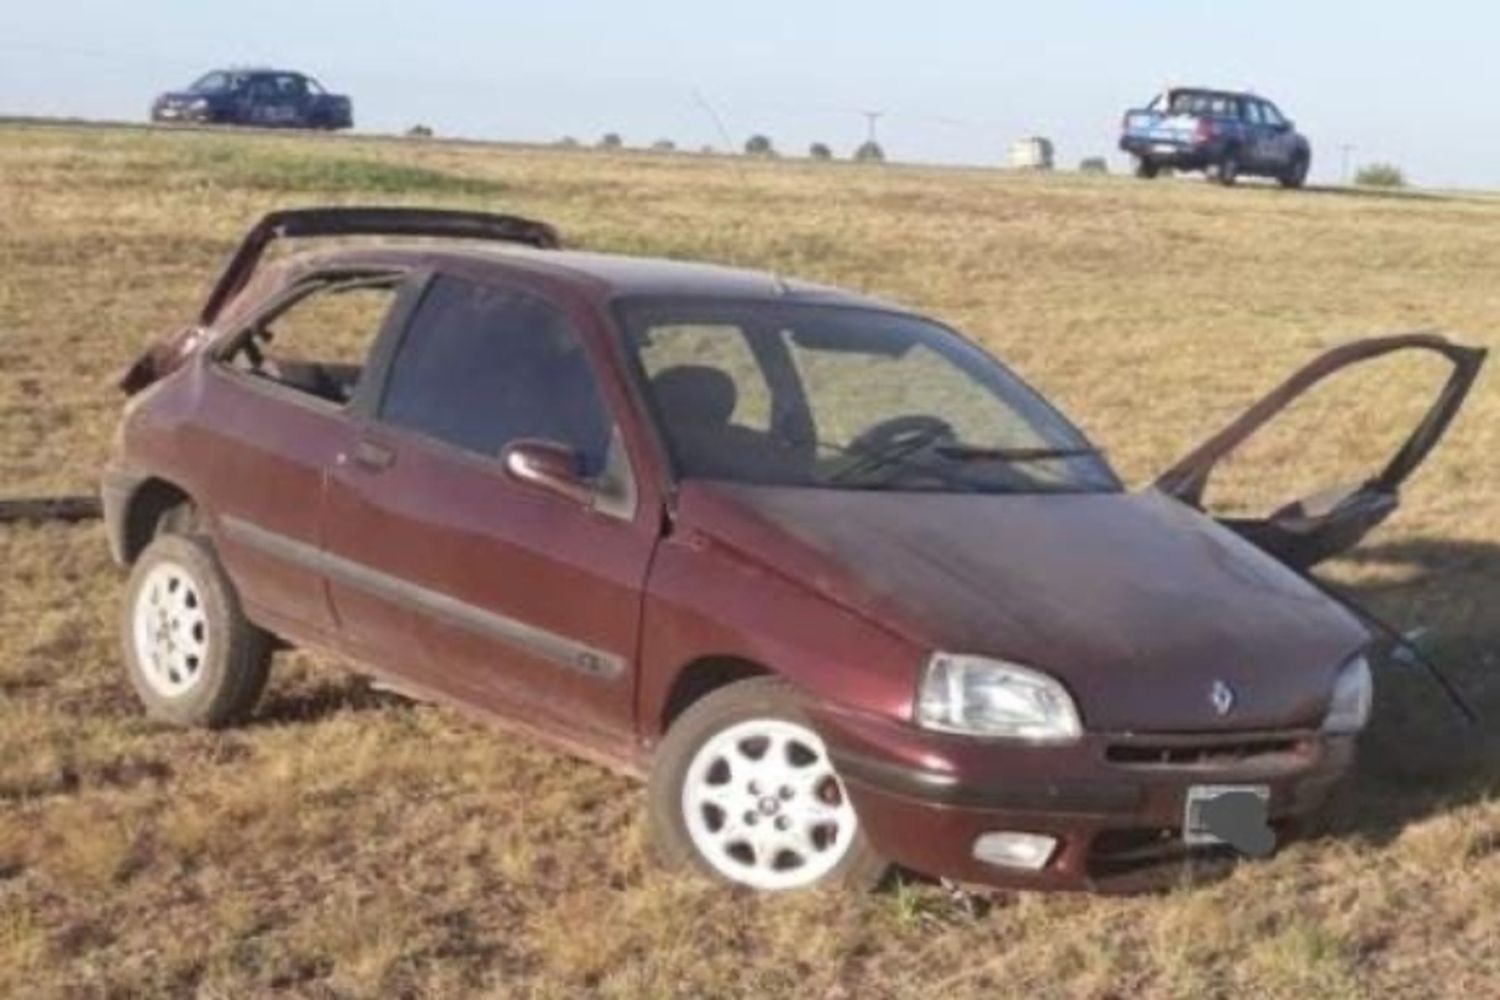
1164,147
1194,830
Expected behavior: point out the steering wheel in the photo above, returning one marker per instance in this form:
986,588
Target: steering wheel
912,430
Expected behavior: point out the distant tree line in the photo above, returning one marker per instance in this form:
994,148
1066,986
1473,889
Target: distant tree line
1380,175
758,145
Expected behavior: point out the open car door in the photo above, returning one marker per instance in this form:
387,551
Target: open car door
1305,532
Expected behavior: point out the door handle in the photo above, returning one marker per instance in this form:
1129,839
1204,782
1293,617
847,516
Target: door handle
370,456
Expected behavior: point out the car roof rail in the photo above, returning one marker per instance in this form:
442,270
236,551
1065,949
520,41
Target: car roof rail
368,221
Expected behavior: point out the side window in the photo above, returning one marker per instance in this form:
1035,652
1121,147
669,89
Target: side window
319,343
480,367
1253,113
1273,117
685,348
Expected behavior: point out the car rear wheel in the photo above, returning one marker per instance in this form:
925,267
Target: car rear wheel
1146,169
1227,170
192,656
743,790
1296,174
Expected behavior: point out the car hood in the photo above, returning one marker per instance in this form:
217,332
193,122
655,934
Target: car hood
1136,602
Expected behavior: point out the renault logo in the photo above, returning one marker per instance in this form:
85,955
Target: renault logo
1221,695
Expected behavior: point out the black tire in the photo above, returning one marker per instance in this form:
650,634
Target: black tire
1146,169
223,685
1296,174
1227,171
861,867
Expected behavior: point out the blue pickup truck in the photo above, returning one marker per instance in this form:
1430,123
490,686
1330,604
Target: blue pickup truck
1222,133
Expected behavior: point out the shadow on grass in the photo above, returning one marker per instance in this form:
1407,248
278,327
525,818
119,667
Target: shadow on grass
324,699
1400,194
1419,757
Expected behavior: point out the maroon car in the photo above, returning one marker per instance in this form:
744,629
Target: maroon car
840,582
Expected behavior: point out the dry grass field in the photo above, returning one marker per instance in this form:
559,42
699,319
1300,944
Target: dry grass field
347,844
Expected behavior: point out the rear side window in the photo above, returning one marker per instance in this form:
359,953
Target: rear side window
480,367
318,342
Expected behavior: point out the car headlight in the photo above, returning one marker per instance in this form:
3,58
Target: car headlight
977,696
1353,695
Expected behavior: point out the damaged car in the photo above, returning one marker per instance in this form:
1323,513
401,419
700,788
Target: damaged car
844,588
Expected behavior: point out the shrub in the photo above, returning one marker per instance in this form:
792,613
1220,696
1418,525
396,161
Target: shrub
759,145
419,132
1381,175
1093,165
820,151
869,152
611,140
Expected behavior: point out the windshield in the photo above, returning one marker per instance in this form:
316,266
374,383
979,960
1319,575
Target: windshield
848,398
1198,102
212,83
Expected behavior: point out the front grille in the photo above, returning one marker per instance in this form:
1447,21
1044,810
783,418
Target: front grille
1190,753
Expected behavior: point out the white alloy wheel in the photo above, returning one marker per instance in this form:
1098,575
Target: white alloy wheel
763,805
169,626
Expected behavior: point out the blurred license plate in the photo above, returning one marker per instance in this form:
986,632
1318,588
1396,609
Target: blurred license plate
1164,147
1194,830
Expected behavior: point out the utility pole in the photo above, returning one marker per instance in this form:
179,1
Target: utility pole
871,117
1347,149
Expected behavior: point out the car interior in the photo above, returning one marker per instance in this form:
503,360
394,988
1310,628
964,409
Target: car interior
317,339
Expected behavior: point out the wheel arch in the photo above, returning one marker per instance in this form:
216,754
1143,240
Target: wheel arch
150,500
698,678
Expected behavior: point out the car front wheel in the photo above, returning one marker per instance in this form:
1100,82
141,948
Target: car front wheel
193,657
743,790
1146,169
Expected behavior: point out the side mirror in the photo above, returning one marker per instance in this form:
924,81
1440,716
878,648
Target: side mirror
549,467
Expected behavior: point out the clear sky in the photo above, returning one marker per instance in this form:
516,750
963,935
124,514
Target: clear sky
1417,84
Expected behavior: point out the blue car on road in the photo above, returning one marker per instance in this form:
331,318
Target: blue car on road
1223,133
269,98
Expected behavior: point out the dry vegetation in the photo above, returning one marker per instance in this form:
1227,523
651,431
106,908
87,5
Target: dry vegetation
350,845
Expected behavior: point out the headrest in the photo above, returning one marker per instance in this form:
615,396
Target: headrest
695,394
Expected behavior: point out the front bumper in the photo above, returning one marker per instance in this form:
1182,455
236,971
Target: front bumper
169,113
1115,802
